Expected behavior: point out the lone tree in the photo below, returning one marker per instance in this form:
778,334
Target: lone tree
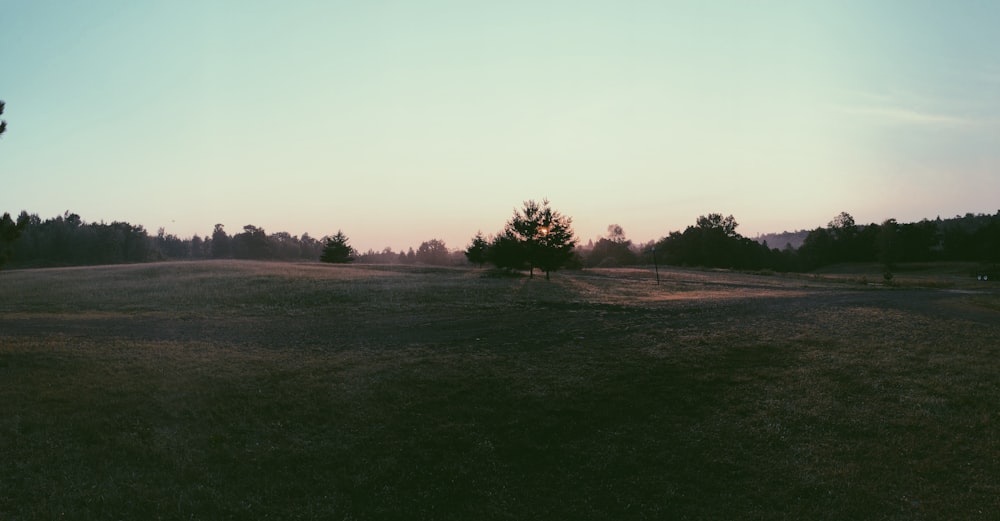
538,237
3,124
337,250
476,252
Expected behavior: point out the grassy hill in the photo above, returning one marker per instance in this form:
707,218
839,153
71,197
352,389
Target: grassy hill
249,390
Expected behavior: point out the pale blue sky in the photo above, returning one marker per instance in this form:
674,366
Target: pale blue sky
399,122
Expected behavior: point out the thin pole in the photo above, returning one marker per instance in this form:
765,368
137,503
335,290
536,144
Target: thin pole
656,266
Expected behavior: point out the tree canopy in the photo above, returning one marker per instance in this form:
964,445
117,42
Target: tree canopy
612,250
476,252
9,232
337,250
536,236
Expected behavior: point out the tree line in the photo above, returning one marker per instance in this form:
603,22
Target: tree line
536,237
68,240
713,242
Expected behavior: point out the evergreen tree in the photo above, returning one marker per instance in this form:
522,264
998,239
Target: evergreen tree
544,237
337,250
220,242
9,232
507,252
476,252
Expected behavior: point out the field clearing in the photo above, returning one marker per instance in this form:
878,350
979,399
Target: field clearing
249,390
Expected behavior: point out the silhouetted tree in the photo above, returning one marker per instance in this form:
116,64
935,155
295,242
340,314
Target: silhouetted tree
716,222
197,247
170,246
253,243
613,250
843,233
3,124
476,252
433,251
220,242
337,250
713,242
544,237
309,248
9,232
507,252
888,247
386,256
67,240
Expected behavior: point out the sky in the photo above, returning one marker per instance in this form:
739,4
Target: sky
402,121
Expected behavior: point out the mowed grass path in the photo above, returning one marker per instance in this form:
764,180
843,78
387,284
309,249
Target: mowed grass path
242,390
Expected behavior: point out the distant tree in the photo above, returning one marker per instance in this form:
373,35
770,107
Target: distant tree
253,243
613,250
9,232
817,249
888,247
3,124
170,246
386,256
919,242
197,247
220,242
716,222
309,247
476,252
544,238
433,251
337,250
714,243
616,234
285,245
844,236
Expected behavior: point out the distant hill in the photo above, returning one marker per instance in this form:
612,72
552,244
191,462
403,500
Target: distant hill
783,239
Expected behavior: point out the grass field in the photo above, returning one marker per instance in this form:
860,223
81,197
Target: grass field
243,390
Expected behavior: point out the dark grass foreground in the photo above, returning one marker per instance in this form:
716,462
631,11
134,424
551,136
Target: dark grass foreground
275,391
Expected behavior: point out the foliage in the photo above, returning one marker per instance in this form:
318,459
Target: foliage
68,240
888,247
220,242
433,252
612,250
507,252
253,243
337,250
9,232
714,243
536,236
3,124
476,253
